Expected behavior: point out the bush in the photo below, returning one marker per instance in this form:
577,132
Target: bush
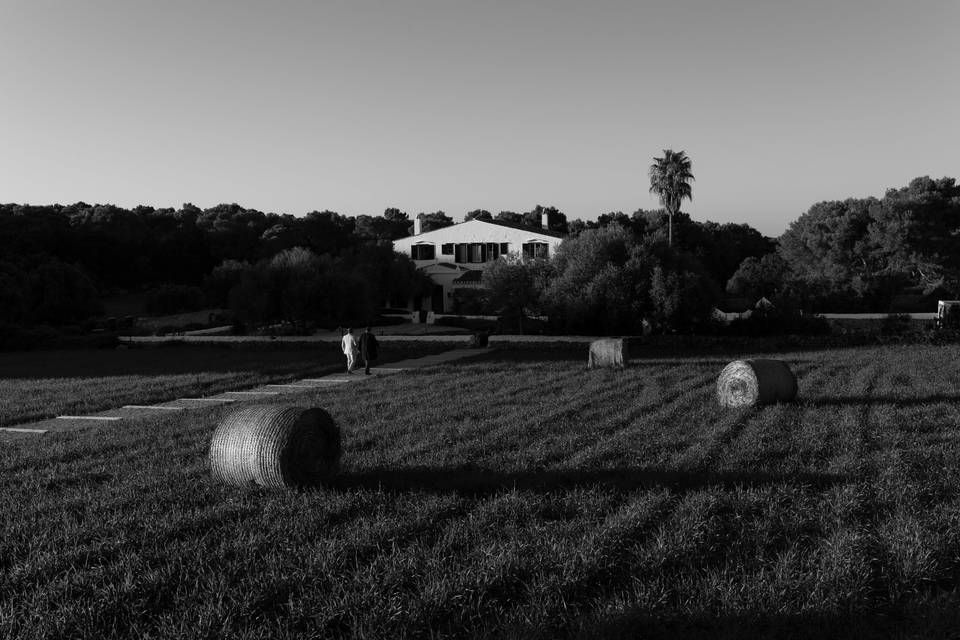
300,288
473,324
169,299
896,324
222,279
769,322
360,324
949,335
17,337
471,302
58,293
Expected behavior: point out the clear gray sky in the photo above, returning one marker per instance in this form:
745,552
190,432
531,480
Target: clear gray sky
357,106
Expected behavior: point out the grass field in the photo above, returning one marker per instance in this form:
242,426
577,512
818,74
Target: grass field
517,496
42,384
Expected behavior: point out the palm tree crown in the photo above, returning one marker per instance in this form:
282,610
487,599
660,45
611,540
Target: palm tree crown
670,178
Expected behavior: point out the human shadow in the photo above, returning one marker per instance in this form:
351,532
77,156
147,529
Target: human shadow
843,401
473,480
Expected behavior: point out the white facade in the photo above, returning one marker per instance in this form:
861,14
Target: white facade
455,256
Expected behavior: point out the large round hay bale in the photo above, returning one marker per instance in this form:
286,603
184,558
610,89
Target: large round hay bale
275,446
745,383
608,352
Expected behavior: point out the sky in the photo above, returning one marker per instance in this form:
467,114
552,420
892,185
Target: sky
358,106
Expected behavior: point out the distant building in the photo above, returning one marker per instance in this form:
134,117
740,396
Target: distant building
454,257
731,309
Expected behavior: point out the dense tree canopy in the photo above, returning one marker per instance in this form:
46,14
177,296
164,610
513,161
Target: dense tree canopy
78,252
859,252
758,277
556,219
478,214
434,221
515,286
610,273
509,216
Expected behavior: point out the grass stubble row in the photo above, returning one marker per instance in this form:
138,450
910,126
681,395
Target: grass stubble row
516,497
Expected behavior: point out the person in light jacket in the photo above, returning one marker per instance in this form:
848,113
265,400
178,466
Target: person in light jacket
368,349
349,346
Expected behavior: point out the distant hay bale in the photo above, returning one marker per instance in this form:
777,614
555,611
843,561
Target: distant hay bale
745,383
275,446
608,352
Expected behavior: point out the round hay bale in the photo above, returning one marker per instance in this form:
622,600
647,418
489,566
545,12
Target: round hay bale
745,383
275,446
608,352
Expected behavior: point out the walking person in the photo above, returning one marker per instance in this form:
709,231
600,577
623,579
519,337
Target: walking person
349,346
368,349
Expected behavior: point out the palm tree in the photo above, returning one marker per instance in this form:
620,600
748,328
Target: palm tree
670,178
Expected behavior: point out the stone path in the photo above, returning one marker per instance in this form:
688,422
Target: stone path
130,411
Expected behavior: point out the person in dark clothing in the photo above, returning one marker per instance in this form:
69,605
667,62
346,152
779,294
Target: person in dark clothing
368,349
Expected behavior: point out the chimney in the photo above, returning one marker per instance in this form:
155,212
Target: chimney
418,224
545,220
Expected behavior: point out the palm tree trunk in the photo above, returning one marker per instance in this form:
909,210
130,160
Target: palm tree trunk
669,229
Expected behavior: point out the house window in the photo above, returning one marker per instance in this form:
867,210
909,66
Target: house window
446,249
493,251
423,251
535,250
477,252
504,248
461,253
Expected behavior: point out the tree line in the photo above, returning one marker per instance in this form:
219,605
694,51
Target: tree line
56,261
859,253
623,273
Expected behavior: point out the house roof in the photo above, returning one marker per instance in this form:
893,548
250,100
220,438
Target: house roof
499,223
441,267
524,227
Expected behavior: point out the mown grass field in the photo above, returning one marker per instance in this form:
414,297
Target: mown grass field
42,384
516,496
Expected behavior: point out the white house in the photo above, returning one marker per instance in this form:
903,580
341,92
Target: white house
454,257
732,309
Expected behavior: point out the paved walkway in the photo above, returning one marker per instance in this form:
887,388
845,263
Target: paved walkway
130,411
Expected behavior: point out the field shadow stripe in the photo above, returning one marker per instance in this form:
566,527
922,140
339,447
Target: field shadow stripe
868,400
476,481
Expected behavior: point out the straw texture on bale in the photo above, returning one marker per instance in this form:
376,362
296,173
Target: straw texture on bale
745,383
275,446
608,352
